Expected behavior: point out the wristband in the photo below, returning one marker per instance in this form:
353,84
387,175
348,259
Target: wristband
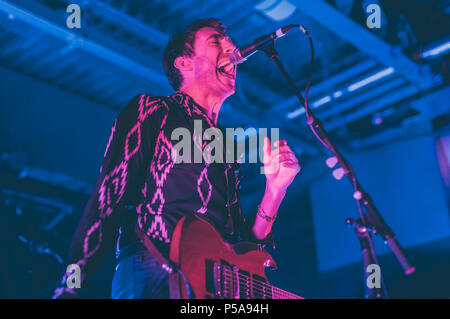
264,216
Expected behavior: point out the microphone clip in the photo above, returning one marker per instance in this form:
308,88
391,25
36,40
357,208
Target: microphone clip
270,50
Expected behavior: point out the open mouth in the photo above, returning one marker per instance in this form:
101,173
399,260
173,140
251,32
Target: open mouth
228,69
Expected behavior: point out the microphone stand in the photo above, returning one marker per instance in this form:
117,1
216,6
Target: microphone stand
369,258
371,221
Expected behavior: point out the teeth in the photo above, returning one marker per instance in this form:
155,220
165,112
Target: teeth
228,69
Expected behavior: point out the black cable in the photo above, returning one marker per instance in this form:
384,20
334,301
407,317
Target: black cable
309,119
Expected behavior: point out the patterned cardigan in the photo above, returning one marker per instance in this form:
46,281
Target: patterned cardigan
142,181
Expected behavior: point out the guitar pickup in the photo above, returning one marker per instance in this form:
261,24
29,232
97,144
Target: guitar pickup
236,285
217,278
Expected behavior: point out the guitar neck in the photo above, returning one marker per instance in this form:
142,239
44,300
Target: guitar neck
241,286
278,293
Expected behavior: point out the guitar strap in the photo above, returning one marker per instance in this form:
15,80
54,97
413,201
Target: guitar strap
174,276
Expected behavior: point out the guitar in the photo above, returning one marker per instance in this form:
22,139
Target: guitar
214,268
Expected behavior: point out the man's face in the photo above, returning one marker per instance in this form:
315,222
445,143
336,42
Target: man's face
212,67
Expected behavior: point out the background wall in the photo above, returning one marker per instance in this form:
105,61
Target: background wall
406,185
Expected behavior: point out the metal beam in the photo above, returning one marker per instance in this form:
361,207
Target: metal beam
87,45
330,83
366,42
378,138
123,20
126,22
386,100
419,126
434,103
378,91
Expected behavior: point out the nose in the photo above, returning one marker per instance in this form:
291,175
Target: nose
228,46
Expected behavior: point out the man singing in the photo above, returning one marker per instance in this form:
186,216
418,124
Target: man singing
140,183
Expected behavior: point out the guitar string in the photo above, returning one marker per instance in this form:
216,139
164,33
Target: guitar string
257,288
246,288
271,296
278,292
262,294
249,296
256,283
259,291
262,285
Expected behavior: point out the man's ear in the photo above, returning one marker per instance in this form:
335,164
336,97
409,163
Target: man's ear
183,63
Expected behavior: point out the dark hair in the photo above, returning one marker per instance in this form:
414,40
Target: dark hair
182,44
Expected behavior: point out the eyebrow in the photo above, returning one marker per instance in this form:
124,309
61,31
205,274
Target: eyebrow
216,36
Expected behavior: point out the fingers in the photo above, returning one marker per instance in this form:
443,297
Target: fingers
267,149
293,165
290,163
281,150
280,146
287,157
284,153
281,154
280,143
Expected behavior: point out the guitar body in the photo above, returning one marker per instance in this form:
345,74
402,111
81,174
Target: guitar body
216,269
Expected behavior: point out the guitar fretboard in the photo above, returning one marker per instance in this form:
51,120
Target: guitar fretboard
237,285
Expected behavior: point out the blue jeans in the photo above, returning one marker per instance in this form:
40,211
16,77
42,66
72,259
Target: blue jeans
139,276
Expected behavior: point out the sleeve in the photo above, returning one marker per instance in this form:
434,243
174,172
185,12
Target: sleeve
128,152
246,224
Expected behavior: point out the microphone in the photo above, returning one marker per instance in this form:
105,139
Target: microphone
398,252
241,55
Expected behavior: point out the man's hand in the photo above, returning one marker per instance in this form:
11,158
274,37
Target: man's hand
280,165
